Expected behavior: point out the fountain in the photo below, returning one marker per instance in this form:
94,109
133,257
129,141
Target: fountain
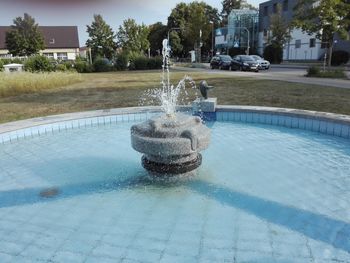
170,143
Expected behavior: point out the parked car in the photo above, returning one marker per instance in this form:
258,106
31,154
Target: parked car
244,62
263,63
221,62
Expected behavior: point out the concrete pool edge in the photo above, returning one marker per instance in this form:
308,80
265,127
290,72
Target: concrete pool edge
322,122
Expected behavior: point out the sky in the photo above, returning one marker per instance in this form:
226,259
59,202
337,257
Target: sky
80,12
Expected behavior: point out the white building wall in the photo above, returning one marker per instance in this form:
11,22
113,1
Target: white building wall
298,48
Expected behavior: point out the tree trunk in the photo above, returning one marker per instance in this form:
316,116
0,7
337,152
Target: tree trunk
330,51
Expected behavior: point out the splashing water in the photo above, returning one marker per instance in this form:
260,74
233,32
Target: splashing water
168,95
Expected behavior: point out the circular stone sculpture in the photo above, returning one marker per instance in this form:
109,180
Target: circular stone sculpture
171,143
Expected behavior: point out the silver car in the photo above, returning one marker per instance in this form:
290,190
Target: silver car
263,64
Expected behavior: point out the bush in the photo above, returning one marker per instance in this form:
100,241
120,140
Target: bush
61,67
102,65
273,54
1,65
316,72
313,71
340,57
82,67
38,64
122,61
144,63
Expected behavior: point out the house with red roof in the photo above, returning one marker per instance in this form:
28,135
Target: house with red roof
61,42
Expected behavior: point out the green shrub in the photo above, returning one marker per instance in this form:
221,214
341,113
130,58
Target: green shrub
273,54
316,72
82,67
1,65
140,63
38,64
61,67
144,63
122,61
102,65
340,57
155,63
313,71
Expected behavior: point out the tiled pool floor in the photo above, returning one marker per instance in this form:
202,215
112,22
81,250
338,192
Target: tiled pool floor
263,194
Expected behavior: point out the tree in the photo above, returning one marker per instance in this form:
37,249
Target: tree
229,5
101,39
157,32
324,18
133,38
280,31
24,38
191,19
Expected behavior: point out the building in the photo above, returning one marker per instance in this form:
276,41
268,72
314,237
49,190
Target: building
61,42
241,32
301,46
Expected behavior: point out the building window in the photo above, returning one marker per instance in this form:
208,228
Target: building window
265,33
266,10
312,42
48,55
297,43
285,5
274,9
52,41
62,56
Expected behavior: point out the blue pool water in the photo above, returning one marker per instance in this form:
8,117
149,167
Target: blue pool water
263,194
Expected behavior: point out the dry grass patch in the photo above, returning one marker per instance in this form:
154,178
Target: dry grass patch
25,82
125,89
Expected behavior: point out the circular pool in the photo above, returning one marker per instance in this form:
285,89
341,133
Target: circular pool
76,192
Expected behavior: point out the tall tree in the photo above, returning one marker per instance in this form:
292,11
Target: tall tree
324,18
101,39
193,23
24,38
157,32
280,31
229,5
133,38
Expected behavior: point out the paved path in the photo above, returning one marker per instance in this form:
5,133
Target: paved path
295,75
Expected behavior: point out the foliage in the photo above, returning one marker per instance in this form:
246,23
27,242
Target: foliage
316,72
273,54
340,57
82,66
144,63
25,82
229,5
24,38
1,65
133,38
157,32
38,63
280,31
61,67
122,61
191,19
101,39
102,65
324,18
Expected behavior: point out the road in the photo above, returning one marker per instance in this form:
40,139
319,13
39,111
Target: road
281,73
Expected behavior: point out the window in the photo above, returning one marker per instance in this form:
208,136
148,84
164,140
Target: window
285,5
48,55
274,8
265,33
52,41
312,42
266,10
62,56
297,43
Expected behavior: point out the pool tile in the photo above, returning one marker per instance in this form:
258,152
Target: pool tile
323,127
316,125
68,257
345,130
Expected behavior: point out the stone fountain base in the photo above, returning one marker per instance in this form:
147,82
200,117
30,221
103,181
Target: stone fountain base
171,144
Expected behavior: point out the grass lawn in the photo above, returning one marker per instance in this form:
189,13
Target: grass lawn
124,89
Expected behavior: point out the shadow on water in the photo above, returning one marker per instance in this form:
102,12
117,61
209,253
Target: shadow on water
313,225
316,226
